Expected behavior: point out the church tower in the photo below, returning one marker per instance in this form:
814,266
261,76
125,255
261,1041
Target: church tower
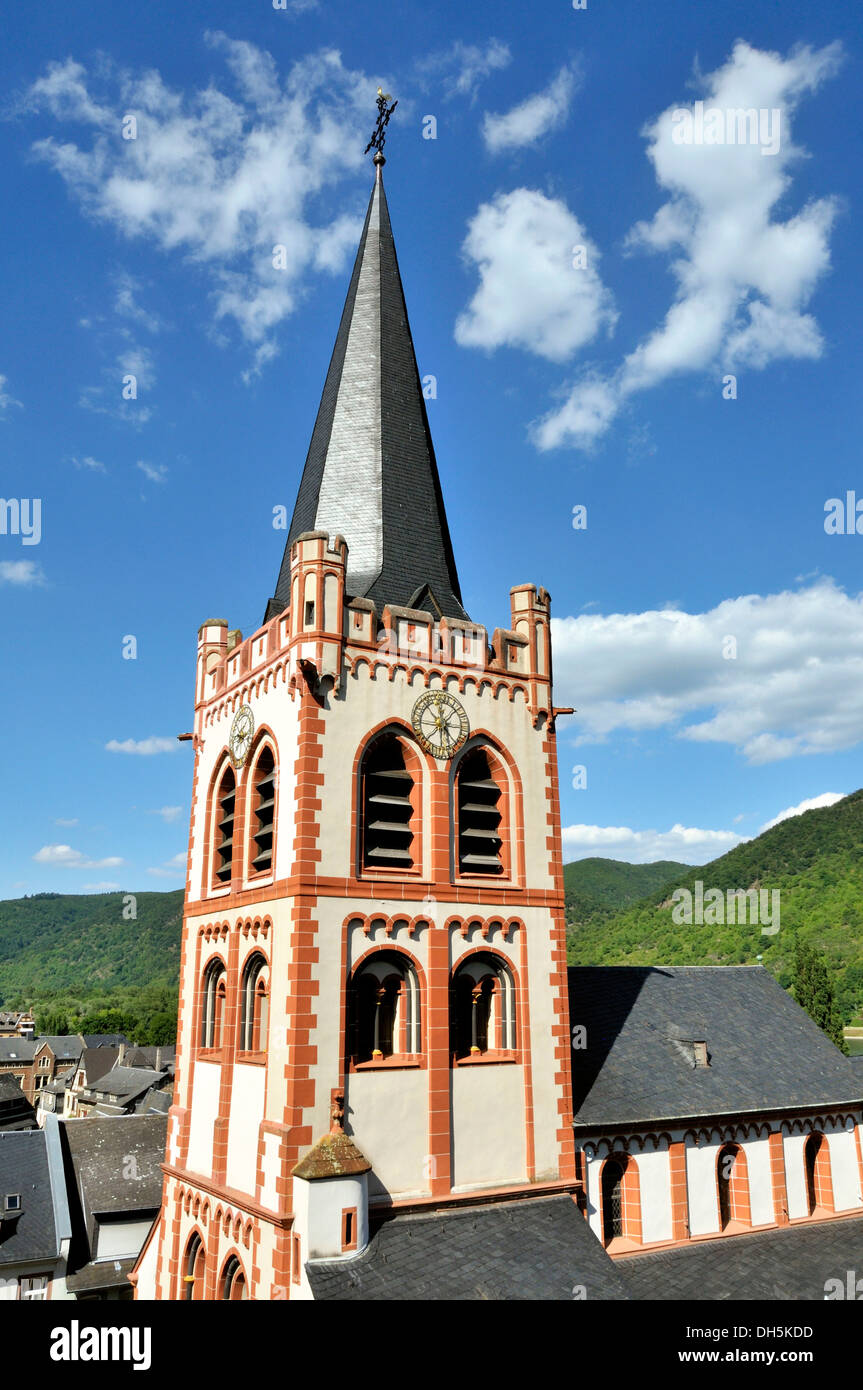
373,1001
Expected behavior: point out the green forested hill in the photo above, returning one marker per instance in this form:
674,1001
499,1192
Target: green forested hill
816,862
598,888
56,943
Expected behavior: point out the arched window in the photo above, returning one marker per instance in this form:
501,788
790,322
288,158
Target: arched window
193,1269
255,1005
223,840
383,1009
263,812
213,1008
387,799
233,1286
819,1184
620,1199
612,1200
478,816
732,1186
482,1008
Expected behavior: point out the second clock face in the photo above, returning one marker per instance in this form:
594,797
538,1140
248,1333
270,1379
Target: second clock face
240,737
440,723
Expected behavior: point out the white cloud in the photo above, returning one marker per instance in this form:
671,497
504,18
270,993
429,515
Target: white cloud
93,465
687,844
531,119
127,306
110,397
66,823
219,179
156,472
813,803
168,813
744,278
100,887
24,573
144,747
5,398
795,686
64,857
530,294
174,868
464,66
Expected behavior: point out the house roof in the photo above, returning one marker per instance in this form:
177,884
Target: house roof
25,1169
371,474
16,1111
61,1081
103,1039
334,1156
538,1248
791,1262
117,1162
95,1061
10,1087
126,1082
764,1051
16,1050
101,1274
66,1048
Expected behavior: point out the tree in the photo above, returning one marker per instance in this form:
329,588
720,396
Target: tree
52,1023
814,990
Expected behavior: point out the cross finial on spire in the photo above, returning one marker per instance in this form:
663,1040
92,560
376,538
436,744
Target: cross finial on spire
379,133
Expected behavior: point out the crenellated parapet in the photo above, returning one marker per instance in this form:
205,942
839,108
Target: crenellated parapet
325,635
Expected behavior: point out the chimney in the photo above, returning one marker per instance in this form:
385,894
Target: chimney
121,1054
158,1059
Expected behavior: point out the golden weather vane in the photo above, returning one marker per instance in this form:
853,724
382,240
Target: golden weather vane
384,112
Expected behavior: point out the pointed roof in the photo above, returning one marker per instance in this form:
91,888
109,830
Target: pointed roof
334,1156
371,474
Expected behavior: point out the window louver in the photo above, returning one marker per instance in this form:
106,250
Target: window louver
479,841
265,804
387,808
225,828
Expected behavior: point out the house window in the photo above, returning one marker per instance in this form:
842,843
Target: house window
224,836
34,1288
478,810
388,807
349,1229
482,1008
13,1201
255,1006
213,1010
612,1200
234,1287
264,806
383,1010
193,1270
309,620
732,1186
819,1185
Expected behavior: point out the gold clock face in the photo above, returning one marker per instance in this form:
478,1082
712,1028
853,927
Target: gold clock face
440,723
240,737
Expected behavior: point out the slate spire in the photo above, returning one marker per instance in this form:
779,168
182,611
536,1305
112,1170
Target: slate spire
370,472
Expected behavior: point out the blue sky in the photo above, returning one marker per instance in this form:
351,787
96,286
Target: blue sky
558,384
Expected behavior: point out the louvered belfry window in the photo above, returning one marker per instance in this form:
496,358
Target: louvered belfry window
479,817
225,798
387,836
264,808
